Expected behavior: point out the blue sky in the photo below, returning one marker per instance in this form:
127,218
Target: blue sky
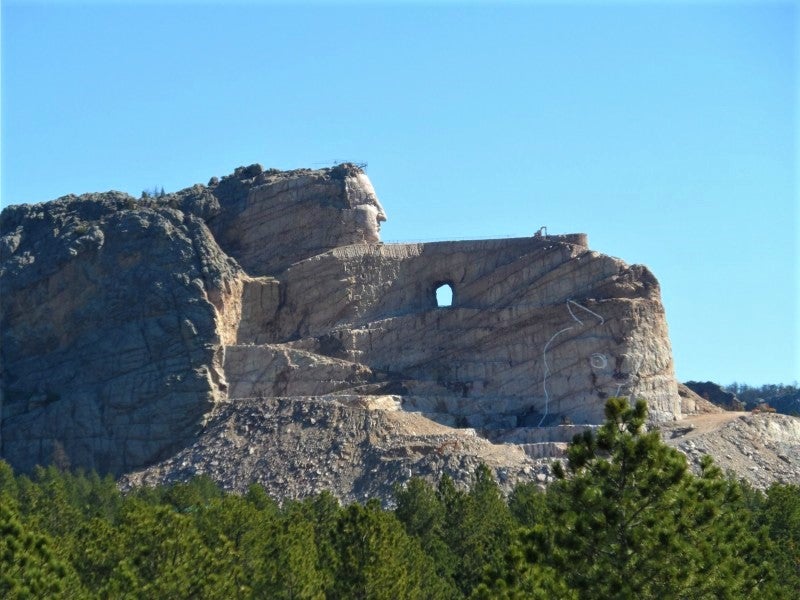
666,131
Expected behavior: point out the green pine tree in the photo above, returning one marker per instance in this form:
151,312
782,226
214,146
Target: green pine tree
379,561
29,567
422,514
290,566
629,521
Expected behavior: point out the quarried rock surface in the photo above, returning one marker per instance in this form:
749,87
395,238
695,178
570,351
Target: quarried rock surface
540,330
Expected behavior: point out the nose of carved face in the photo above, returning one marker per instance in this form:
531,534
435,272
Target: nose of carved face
380,217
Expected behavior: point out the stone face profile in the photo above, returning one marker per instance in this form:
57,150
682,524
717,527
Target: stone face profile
253,318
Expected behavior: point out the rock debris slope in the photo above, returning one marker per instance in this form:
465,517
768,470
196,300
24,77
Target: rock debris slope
356,446
257,329
760,448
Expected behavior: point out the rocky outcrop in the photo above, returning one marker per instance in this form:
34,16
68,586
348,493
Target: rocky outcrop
692,404
715,394
268,220
112,330
129,326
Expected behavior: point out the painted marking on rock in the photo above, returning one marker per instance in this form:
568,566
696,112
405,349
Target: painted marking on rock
570,304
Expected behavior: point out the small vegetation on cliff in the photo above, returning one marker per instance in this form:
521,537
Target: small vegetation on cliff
626,519
156,192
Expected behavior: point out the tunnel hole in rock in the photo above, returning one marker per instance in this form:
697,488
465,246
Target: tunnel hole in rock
444,294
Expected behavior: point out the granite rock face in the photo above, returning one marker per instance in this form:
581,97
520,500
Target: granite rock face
112,342
540,330
129,326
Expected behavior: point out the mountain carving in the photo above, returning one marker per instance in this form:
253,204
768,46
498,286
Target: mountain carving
135,331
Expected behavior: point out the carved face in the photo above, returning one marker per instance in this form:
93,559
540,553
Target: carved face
367,212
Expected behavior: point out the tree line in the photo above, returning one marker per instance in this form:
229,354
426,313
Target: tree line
625,519
753,395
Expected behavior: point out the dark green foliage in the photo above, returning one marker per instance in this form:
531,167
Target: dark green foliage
323,512
8,482
629,521
188,497
422,513
289,561
625,520
377,559
778,514
154,552
29,567
527,504
785,398
484,532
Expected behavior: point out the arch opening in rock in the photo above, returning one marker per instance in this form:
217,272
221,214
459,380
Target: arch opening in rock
444,295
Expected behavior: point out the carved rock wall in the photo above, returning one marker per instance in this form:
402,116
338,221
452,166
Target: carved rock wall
540,329
268,220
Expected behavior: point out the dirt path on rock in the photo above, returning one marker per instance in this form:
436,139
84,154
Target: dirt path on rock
697,425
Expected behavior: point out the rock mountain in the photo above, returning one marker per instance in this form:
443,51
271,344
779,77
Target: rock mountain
257,329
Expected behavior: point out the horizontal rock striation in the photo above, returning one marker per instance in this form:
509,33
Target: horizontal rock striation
268,220
539,328
139,333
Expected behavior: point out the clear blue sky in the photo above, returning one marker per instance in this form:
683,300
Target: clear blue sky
666,131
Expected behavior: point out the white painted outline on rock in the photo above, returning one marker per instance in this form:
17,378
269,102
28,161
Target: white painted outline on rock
554,336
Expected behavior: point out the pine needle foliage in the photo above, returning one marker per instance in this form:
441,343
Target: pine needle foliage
628,520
